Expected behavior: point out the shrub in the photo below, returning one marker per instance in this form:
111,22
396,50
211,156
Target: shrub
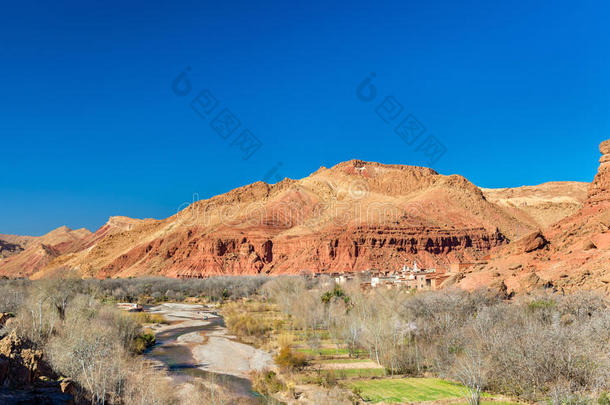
289,359
143,341
266,382
147,317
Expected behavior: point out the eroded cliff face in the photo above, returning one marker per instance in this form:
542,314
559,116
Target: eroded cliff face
354,249
573,253
354,216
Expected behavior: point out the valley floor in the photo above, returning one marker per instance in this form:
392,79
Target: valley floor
195,343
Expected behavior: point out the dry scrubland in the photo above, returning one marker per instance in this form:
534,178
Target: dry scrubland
537,347
70,331
332,344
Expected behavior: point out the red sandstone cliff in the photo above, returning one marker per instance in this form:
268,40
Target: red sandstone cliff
354,216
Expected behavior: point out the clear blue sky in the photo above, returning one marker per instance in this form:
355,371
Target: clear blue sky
518,93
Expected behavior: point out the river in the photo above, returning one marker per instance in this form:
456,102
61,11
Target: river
196,344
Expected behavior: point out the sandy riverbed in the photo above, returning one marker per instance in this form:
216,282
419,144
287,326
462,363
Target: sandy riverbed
211,347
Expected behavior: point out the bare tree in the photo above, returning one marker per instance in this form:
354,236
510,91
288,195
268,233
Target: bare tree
469,370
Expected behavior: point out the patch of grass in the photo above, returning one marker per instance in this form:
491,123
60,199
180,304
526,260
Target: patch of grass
360,372
249,327
541,304
406,389
323,351
495,403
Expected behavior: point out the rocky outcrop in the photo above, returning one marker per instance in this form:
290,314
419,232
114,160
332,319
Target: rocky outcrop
9,249
354,249
573,253
599,191
25,378
530,243
4,317
21,364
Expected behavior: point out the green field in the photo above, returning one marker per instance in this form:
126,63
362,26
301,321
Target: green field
359,372
323,351
407,389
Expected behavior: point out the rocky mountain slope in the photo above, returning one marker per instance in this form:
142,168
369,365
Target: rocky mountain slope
573,253
541,205
354,216
21,255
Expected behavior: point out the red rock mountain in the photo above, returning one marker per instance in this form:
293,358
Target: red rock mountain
573,253
354,216
21,255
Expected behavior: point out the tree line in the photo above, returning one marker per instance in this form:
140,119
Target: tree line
541,346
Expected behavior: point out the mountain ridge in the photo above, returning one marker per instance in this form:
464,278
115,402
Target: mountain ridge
353,216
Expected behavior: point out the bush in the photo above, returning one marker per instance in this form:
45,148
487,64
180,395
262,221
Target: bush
249,327
266,382
289,359
147,317
143,342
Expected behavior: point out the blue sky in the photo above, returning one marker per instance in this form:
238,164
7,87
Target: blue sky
515,92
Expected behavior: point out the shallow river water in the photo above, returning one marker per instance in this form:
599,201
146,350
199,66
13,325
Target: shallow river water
185,353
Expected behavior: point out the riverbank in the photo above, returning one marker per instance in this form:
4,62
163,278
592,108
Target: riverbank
195,344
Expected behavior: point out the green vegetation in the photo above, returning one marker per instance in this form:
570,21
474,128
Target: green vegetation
143,341
323,351
336,292
538,347
541,304
341,360
359,372
407,389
